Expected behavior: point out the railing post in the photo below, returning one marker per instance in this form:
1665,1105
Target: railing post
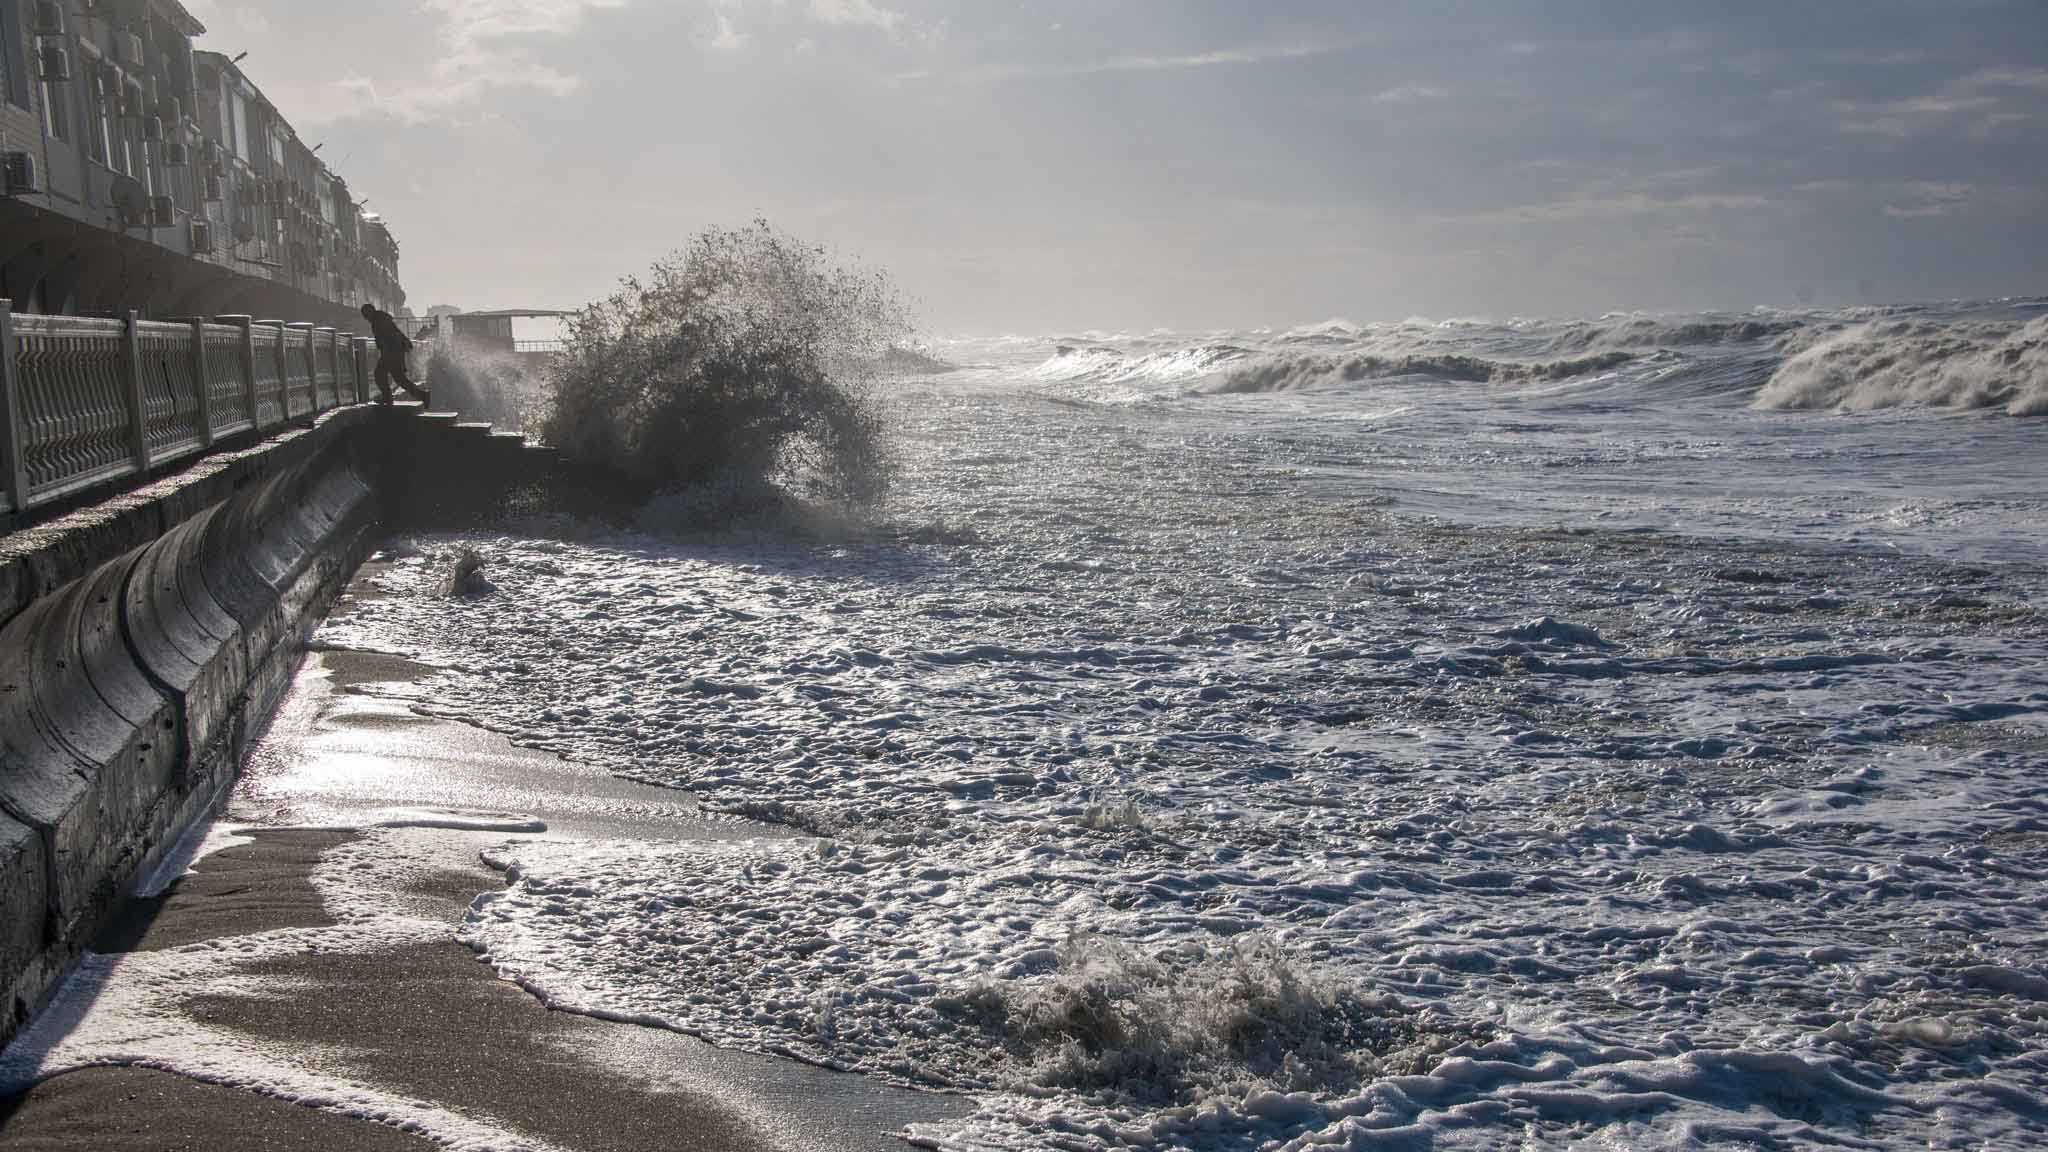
202,384
298,344
13,469
131,390
273,341
332,340
248,359
362,370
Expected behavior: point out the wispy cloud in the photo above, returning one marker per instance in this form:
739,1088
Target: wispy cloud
720,30
855,14
1625,205
1924,198
483,47
1143,62
1410,94
1979,102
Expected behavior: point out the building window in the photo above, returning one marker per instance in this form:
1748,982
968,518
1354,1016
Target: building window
56,110
14,66
99,125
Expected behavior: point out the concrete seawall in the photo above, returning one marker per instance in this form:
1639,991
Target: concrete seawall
141,643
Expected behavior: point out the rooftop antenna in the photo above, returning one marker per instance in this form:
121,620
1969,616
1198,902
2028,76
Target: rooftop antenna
239,57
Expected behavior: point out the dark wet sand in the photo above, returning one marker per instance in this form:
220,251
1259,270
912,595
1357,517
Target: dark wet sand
136,1110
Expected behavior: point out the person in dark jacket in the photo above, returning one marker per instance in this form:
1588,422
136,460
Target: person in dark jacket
392,345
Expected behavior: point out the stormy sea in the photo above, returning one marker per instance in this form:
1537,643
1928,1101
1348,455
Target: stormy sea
1435,734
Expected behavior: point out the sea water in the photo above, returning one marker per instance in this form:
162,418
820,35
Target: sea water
1360,736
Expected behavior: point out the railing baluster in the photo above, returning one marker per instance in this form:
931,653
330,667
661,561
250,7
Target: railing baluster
202,385
131,381
248,362
13,472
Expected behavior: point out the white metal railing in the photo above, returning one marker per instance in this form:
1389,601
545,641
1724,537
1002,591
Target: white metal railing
86,400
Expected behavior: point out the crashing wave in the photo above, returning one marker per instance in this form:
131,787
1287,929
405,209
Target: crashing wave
1633,331
901,361
1290,373
1096,365
1909,362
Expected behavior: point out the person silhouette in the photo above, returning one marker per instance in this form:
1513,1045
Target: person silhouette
392,345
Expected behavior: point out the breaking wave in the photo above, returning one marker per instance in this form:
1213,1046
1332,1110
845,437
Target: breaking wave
1957,355
1632,331
1290,373
1892,363
902,361
1096,365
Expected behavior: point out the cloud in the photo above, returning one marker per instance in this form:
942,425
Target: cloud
855,14
1978,102
1623,206
482,47
1410,94
722,29
1142,62
1926,198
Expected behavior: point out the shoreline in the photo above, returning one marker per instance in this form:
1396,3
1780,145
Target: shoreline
407,1023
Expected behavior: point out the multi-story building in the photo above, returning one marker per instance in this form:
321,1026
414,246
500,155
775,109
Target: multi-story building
136,172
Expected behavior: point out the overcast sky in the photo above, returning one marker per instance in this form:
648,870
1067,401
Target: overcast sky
1031,167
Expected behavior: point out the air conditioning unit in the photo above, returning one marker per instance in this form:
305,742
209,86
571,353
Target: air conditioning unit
163,212
152,129
176,154
213,155
49,18
215,188
202,236
53,62
133,53
18,169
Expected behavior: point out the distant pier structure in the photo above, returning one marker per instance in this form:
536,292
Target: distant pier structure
530,334
138,173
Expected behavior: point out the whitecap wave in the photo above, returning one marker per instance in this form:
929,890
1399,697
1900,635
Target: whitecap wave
1099,365
1293,373
1638,331
1894,363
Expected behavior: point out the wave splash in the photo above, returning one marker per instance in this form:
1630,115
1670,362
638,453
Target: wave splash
1287,374
1098,365
1891,363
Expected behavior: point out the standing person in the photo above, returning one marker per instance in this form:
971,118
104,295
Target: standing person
392,345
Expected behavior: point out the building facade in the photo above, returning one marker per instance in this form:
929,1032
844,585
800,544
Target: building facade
139,173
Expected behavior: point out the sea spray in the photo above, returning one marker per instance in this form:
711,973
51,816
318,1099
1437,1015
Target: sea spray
1891,363
500,388
747,356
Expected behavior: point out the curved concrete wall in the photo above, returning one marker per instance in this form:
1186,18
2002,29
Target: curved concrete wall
140,643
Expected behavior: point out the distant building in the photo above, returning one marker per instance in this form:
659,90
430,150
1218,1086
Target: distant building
136,172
